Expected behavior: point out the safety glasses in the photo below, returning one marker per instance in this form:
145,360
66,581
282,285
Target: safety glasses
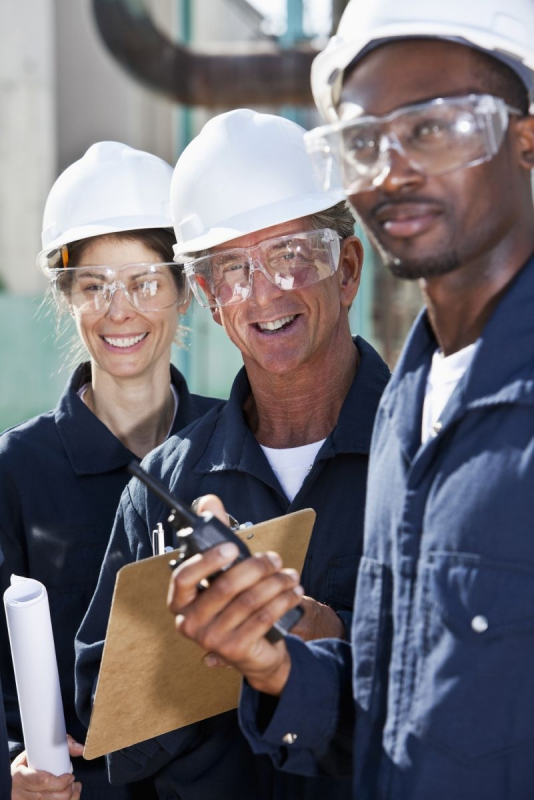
290,262
435,137
148,287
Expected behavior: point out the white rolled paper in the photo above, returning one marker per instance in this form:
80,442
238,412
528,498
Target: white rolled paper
36,674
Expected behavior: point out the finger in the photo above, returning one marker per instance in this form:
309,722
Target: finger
211,503
222,591
245,605
75,748
20,760
183,587
76,790
28,780
246,646
214,660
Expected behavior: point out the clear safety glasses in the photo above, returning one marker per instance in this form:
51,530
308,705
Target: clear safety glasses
148,287
289,262
435,137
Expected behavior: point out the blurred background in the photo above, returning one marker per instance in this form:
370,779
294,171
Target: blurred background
149,73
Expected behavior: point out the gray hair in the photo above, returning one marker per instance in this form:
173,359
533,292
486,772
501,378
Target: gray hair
339,218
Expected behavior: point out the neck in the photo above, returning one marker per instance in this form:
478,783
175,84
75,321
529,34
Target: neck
302,406
138,411
460,303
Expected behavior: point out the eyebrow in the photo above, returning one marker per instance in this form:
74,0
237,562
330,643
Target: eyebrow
97,271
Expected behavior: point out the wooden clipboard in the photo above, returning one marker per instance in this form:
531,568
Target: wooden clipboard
152,680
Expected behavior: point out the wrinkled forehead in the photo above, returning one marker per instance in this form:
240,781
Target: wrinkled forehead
252,239
401,72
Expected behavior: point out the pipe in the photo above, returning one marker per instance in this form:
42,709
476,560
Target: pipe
247,75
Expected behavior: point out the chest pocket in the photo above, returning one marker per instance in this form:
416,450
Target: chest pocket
475,655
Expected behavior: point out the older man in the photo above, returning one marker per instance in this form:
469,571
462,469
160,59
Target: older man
273,255
429,111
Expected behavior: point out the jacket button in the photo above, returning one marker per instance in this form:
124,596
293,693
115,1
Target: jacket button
436,427
479,624
289,738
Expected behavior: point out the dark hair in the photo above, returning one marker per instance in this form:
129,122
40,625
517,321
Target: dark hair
160,240
501,80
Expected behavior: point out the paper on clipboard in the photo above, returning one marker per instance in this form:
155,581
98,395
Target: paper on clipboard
151,679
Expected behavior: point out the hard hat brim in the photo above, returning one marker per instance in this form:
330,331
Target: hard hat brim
338,56
118,226
260,218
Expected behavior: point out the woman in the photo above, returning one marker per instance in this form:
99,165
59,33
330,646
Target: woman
108,254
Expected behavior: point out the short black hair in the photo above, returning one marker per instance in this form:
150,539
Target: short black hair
501,80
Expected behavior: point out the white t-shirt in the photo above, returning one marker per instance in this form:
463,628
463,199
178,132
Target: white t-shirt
291,465
444,375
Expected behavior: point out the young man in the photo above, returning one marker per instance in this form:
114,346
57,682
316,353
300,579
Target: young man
436,146
274,257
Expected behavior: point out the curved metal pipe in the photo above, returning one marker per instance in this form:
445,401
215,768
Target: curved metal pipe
251,74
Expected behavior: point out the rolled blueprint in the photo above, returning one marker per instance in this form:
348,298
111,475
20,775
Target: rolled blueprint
35,665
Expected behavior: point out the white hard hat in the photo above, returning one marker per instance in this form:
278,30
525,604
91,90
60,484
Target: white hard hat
502,28
245,171
112,188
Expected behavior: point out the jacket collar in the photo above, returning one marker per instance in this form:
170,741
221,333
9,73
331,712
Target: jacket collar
91,447
502,369
241,452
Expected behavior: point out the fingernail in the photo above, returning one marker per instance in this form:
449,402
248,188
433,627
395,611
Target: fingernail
293,574
228,550
275,559
178,620
299,591
210,660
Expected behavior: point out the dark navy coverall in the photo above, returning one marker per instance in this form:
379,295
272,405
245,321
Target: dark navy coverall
219,454
5,771
61,478
439,692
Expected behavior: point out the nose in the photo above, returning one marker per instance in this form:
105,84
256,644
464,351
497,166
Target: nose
120,308
399,174
262,290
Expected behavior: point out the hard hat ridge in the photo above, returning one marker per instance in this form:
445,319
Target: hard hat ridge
244,172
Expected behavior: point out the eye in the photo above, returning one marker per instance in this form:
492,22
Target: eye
362,143
92,288
431,129
232,267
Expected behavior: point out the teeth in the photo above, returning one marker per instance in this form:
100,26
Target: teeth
276,324
129,342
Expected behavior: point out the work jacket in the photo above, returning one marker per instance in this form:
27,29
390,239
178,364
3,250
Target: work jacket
61,478
220,455
442,667
5,774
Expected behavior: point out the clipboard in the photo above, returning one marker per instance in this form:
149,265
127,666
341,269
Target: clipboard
152,680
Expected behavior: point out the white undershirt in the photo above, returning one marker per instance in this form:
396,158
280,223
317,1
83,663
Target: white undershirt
444,375
291,465
83,389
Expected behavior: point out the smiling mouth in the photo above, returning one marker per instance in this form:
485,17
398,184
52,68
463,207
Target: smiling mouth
276,325
129,341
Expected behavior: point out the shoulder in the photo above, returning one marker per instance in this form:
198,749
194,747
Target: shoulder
28,435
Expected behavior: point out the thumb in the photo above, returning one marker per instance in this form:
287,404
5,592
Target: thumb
75,748
210,502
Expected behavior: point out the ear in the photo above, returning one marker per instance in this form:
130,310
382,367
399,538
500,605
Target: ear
525,141
350,269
